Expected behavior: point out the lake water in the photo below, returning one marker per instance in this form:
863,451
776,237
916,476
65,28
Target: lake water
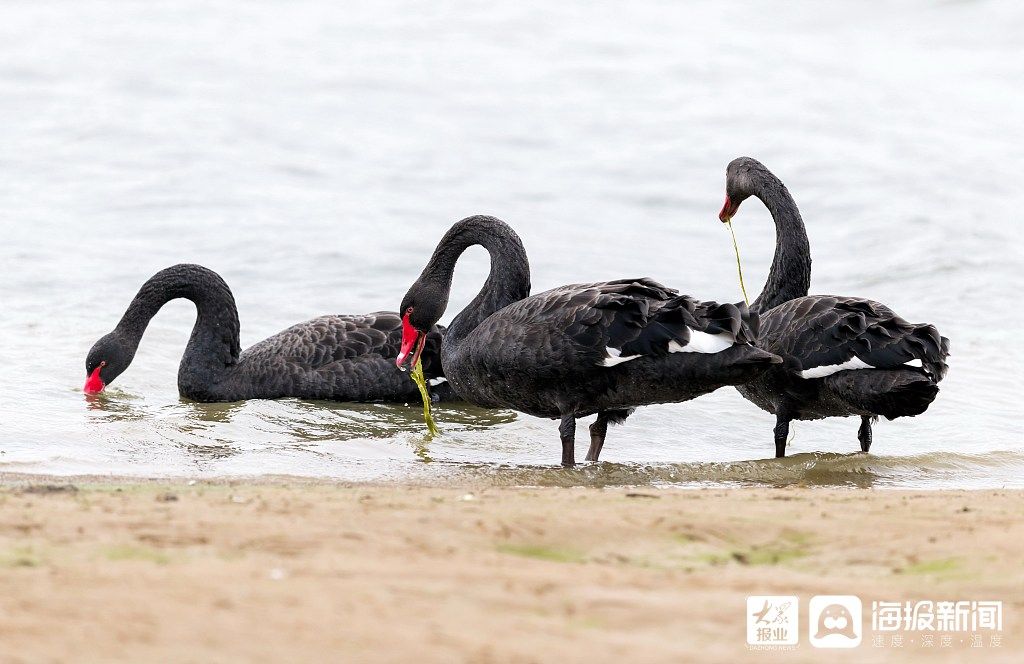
313,153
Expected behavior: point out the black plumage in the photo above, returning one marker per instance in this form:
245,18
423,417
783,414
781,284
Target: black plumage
843,356
341,358
548,354
826,330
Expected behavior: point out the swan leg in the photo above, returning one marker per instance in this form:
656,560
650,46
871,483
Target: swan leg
781,435
598,430
864,433
567,429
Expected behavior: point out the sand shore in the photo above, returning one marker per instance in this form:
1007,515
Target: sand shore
285,569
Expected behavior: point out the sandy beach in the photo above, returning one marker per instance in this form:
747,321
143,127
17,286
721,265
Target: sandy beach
275,569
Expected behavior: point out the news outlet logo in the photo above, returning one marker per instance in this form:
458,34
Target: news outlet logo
773,620
835,621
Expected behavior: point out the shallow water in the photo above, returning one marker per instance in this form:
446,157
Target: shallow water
313,154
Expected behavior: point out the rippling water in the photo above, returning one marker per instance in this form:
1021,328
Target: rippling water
313,153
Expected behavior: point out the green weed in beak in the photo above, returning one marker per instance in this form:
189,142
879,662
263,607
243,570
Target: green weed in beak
421,383
739,266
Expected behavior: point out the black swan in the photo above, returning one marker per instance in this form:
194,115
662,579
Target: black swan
341,358
576,350
843,356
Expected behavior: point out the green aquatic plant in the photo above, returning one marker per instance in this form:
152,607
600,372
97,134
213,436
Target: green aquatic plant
421,383
739,265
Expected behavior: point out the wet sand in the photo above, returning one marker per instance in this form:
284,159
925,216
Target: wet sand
286,569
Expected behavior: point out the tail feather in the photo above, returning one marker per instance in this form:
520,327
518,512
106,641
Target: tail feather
672,320
826,330
735,319
889,393
755,355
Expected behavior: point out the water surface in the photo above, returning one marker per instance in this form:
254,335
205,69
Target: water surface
313,153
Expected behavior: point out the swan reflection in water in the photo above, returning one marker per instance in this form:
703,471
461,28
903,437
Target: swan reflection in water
330,436
216,430
189,426
318,421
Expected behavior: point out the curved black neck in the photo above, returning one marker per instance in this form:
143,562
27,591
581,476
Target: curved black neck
508,281
214,344
790,274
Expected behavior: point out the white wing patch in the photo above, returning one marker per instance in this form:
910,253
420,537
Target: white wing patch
829,369
434,382
614,356
853,363
700,342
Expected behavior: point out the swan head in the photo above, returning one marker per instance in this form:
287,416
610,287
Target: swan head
107,359
744,177
421,308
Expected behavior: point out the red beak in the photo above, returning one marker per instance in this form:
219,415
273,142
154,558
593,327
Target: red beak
728,210
94,384
410,335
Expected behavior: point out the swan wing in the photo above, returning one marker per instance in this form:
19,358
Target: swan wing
823,334
320,344
608,323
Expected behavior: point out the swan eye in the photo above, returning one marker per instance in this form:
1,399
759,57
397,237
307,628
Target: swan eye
408,311
103,363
